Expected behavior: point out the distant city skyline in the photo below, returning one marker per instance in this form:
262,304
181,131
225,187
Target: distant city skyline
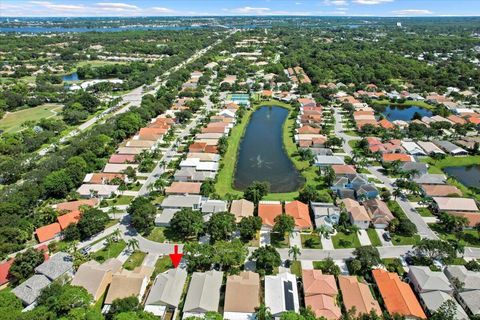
94,8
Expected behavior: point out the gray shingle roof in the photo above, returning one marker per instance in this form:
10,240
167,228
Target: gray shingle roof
56,266
434,299
204,292
470,298
30,290
429,280
167,289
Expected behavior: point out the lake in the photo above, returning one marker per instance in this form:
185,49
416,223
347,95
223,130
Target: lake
467,175
404,113
261,155
70,77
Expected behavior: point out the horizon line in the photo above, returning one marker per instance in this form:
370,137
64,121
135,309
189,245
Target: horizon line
257,16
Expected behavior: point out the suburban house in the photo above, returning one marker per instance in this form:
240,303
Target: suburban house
358,214
379,212
469,292
48,232
203,294
320,292
420,167
4,273
210,207
430,148
166,292
103,178
440,190
75,205
299,211
242,208
122,158
183,188
268,211
431,179
87,190
198,165
179,202
425,280
281,293
327,161
397,296
96,277
356,294
433,300
242,296
326,214
29,290
402,157
127,283
451,148
454,204
192,175
413,148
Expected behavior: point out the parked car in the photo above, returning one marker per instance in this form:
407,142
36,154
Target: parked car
386,236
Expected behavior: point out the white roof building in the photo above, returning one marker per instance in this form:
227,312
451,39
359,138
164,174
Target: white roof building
413,148
281,293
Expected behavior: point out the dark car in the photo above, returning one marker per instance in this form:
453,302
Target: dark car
386,236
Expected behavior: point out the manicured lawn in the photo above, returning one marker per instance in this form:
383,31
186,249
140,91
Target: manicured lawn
398,240
134,186
110,251
373,236
162,265
225,177
120,200
342,240
353,143
157,234
296,268
277,241
12,121
311,241
135,260
351,133
470,238
396,209
424,212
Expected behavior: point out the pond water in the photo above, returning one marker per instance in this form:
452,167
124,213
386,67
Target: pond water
70,77
262,156
404,113
467,175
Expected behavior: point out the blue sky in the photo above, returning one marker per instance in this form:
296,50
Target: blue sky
20,8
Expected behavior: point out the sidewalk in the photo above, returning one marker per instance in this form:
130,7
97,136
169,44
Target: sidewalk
295,239
327,244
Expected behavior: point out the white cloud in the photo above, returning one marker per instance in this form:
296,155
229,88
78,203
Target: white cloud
335,3
116,6
412,12
249,10
371,2
56,7
161,10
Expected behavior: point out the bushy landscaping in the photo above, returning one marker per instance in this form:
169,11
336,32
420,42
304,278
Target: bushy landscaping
311,241
344,240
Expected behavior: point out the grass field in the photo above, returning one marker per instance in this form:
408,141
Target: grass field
110,251
315,241
134,260
398,240
296,268
157,235
342,240
12,122
225,177
373,236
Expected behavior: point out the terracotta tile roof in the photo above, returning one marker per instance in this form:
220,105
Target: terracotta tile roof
184,187
396,156
213,130
314,282
305,143
323,306
48,232
474,119
4,270
122,158
299,211
357,211
267,93
343,169
472,217
152,134
386,124
398,296
75,205
436,190
456,119
268,212
357,295
308,129
69,218
104,178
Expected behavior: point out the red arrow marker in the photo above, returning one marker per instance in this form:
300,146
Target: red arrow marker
175,256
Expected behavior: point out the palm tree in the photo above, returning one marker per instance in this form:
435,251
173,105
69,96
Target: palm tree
354,229
116,234
323,232
295,252
160,185
263,312
112,211
133,244
396,193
